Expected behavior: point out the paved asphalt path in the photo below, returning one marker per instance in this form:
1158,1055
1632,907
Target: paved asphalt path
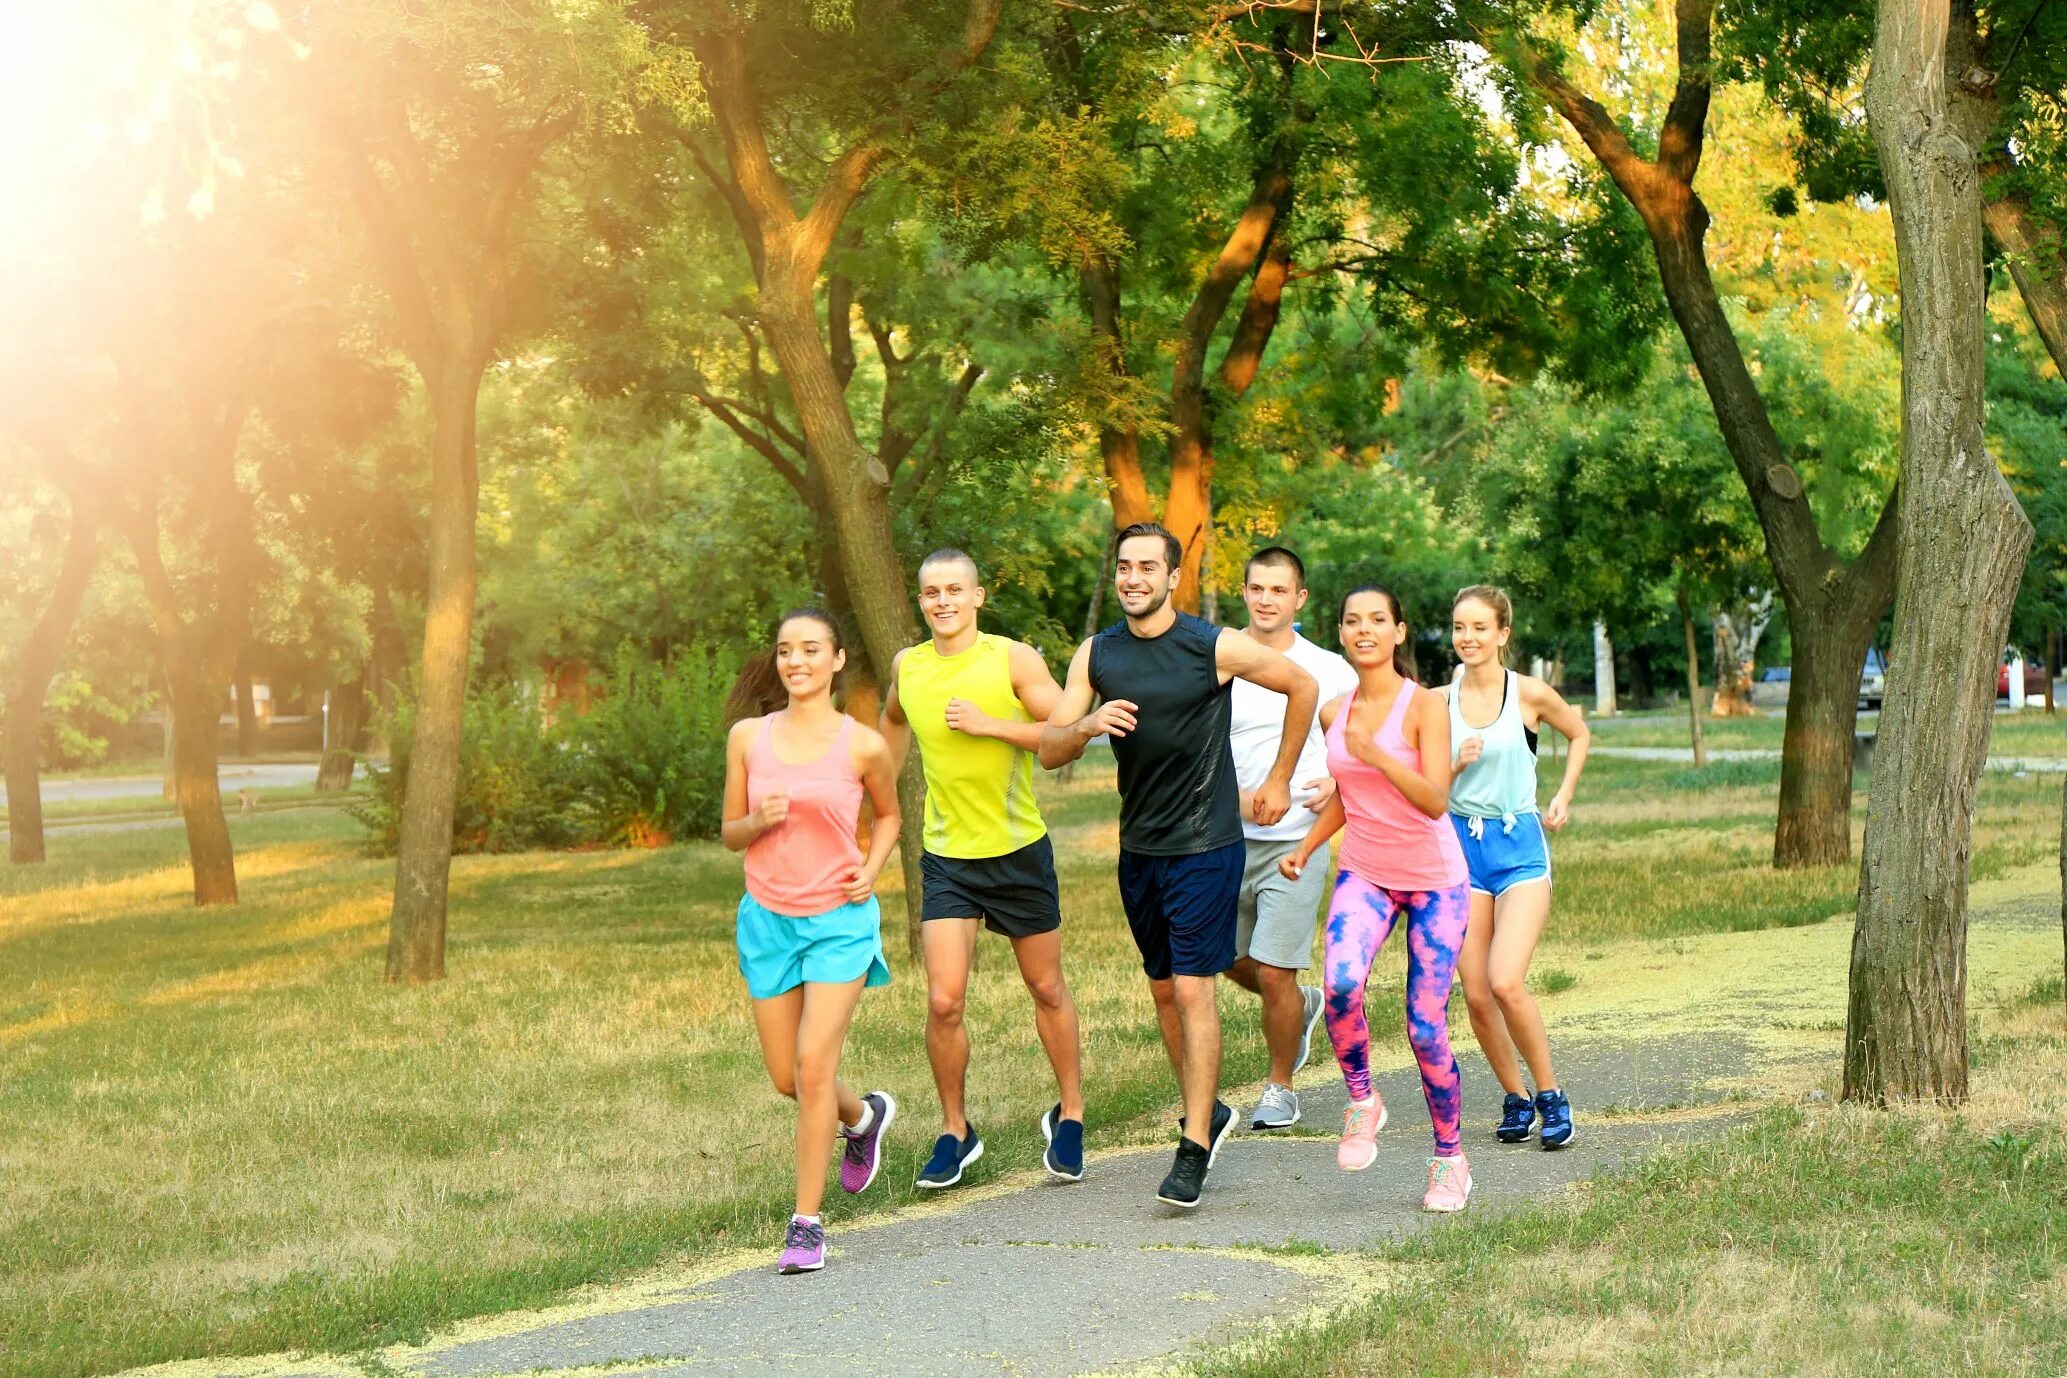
1050,1278
233,777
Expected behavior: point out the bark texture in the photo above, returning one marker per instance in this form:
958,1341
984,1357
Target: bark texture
1832,605
1961,556
39,660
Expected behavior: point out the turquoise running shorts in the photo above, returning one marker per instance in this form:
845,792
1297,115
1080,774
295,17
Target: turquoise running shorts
779,952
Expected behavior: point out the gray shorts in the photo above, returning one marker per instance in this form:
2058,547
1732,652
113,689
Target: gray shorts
1277,917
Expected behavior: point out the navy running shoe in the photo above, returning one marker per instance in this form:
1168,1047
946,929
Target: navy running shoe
1557,1119
950,1156
1517,1118
1064,1157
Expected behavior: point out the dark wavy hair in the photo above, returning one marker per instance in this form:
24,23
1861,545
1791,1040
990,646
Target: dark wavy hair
1402,654
759,690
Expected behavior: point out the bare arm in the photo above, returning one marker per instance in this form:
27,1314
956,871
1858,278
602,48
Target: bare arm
871,756
1324,827
895,727
1037,692
1071,724
741,826
1549,706
1238,655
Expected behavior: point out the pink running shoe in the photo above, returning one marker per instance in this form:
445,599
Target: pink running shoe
1449,1184
1360,1126
861,1156
803,1249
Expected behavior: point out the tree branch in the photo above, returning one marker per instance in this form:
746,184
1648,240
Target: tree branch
1679,142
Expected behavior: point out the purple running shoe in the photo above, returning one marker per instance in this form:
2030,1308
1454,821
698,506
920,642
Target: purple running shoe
803,1251
862,1157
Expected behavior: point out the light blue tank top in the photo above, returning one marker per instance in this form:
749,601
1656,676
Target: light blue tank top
1501,783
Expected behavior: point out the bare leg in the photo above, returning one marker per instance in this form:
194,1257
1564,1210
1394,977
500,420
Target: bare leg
1284,1010
1520,916
1487,1025
1199,1061
1243,974
1055,1015
794,1030
1165,993
950,944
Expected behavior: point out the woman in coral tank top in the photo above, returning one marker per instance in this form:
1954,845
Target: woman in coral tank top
1389,751
809,931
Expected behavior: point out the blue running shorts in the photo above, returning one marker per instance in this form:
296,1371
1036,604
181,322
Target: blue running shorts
1499,858
779,952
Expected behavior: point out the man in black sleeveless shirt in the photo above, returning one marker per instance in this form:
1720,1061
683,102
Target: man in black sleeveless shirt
1164,678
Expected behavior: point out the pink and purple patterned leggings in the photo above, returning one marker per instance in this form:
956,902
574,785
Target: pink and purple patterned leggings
1360,918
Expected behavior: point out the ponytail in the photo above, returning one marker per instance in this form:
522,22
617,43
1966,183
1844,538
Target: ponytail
759,690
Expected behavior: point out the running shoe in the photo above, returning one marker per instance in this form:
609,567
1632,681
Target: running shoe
1187,1176
1064,1157
863,1157
803,1250
1314,1006
1276,1108
1223,1121
1449,1184
950,1156
1557,1119
1360,1126
1517,1118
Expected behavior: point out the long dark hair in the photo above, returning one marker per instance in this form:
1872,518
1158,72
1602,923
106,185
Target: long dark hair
759,690
1402,654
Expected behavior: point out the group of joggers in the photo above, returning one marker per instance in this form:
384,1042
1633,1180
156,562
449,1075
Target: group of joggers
1240,755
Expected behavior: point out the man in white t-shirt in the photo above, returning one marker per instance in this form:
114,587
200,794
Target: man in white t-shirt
1274,934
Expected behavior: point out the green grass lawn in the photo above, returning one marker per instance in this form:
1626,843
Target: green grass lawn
2031,732
1817,1239
220,1133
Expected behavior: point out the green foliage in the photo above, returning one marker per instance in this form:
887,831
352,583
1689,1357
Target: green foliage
645,765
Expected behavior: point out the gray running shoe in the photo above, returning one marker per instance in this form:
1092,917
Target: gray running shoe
1315,1004
1277,1108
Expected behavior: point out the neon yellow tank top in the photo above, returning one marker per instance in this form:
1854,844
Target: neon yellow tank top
979,790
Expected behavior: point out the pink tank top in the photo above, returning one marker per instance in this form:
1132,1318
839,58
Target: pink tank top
795,867
1386,841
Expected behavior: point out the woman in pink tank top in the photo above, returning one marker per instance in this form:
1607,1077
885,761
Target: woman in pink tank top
809,931
1389,751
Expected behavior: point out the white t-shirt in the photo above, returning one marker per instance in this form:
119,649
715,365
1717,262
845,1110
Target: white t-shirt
1257,722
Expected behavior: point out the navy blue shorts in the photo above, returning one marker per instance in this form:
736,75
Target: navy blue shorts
1183,909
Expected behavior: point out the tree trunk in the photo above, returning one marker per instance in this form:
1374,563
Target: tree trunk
169,784
247,712
1964,539
2050,663
1815,825
196,718
1603,672
341,728
2037,267
1686,619
423,861
39,658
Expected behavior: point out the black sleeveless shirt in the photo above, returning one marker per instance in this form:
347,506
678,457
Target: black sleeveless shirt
1178,795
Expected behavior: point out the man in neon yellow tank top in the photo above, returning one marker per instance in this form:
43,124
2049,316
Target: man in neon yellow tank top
977,703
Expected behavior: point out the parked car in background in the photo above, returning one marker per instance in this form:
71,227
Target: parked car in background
1873,679
2034,680
1769,690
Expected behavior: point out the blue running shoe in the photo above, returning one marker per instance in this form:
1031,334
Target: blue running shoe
950,1156
1517,1118
1065,1155
1557,1119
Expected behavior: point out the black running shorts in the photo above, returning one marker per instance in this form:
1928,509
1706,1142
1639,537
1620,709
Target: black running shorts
1013,894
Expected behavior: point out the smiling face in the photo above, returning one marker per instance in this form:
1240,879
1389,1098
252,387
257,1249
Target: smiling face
1141,575
1475,632
1274,596
807,656
1371,632
949,596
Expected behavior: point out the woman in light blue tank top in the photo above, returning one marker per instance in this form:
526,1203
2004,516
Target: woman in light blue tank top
1494,717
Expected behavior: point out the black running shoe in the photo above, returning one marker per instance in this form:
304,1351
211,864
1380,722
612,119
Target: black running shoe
1223,1121
1187,1176
1517,1116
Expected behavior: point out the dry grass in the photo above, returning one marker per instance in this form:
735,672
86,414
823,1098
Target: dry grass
221,1134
